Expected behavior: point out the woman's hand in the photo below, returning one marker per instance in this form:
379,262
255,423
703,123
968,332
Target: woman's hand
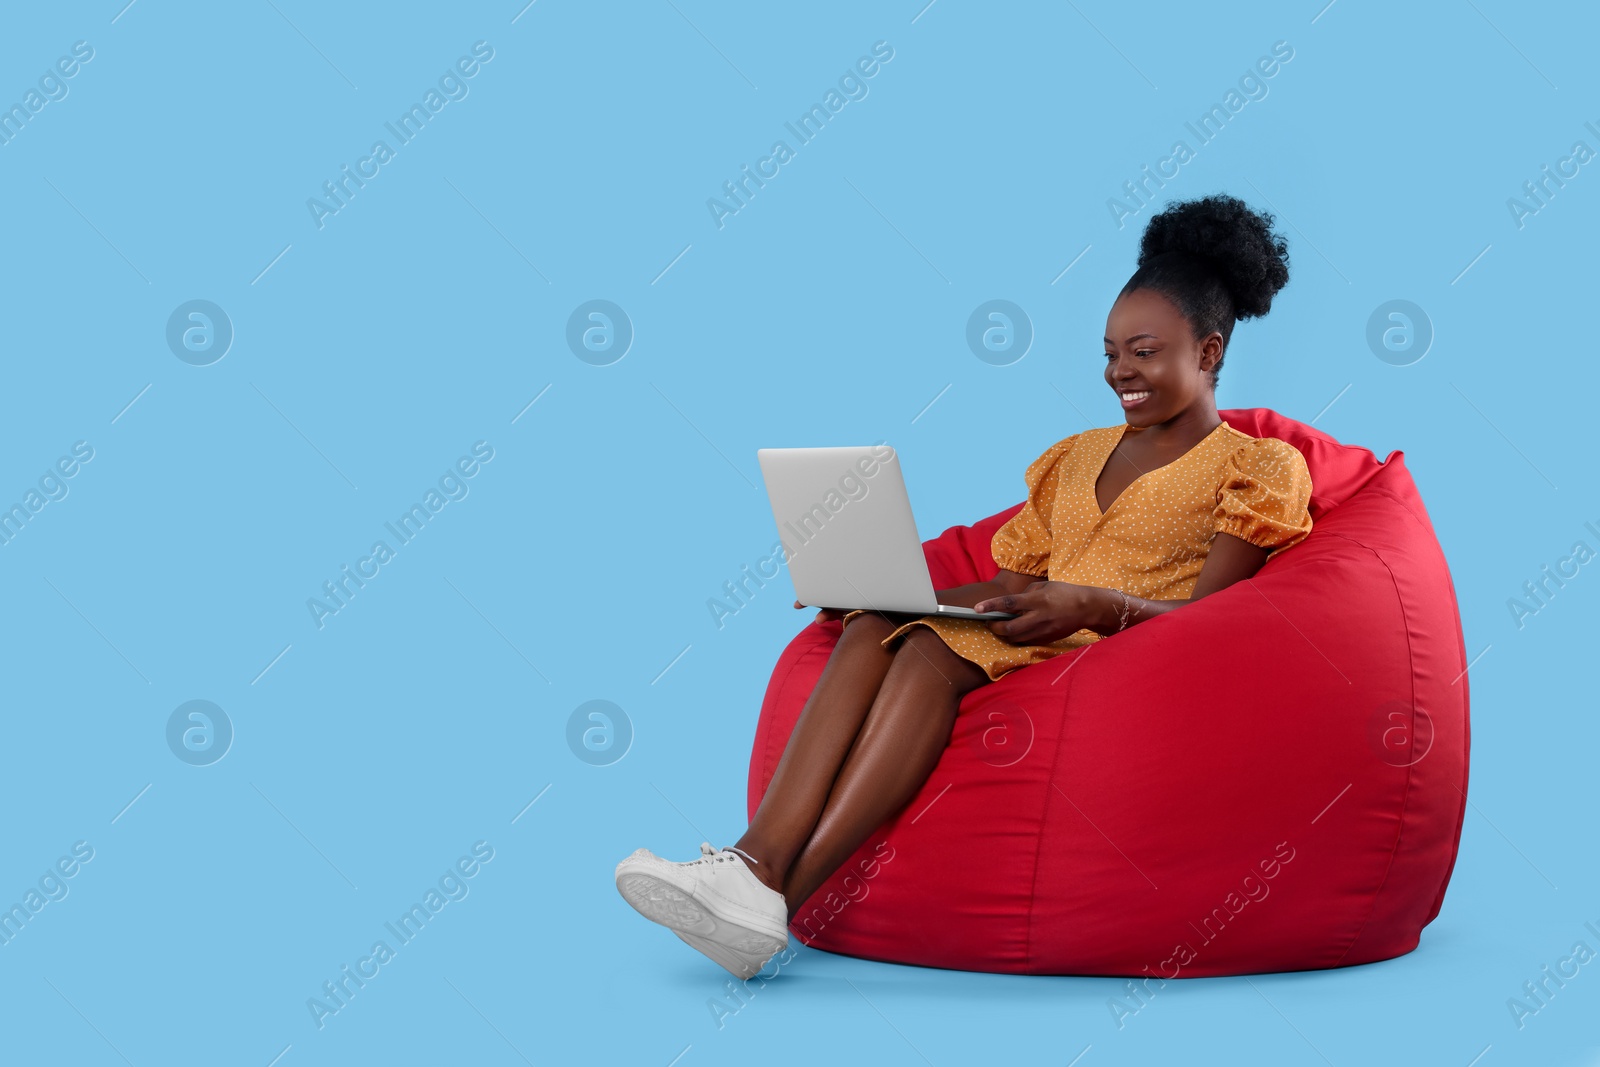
1048,611
825,614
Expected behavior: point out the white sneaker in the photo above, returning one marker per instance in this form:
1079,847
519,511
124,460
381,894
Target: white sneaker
714,903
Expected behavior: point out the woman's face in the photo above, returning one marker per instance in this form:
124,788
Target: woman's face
1151,351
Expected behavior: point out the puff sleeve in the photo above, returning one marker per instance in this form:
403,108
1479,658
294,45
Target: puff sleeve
1023,543
1264,493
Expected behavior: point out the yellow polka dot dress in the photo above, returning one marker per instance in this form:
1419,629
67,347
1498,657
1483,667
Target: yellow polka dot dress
1150,543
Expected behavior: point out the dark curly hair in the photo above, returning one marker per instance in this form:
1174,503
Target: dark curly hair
1216,259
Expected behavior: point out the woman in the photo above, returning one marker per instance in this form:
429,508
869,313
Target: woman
1121,524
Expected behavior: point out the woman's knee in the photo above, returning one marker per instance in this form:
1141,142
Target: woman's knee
865,628
924,652
926,639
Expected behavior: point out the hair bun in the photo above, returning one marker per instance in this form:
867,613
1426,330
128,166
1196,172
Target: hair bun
1237,242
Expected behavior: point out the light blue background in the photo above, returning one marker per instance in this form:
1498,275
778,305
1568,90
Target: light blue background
430,311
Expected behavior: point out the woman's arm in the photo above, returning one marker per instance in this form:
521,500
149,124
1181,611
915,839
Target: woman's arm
1002,584
1053,610
1231,559
960,596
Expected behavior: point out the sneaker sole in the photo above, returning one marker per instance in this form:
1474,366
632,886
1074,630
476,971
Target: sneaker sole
737,964
738,949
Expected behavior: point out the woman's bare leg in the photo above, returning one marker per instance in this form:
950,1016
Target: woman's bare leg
897,748
822,737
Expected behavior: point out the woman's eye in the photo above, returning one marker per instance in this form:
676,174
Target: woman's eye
1145,352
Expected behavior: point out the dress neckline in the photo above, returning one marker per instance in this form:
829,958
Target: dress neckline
1094,482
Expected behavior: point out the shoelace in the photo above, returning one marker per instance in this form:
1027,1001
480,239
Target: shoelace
709,853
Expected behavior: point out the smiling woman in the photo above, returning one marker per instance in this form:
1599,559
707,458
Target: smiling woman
1122,523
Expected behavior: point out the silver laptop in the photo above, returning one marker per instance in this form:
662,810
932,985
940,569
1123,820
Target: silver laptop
846,527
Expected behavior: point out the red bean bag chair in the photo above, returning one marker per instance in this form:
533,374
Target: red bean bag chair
1270,779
